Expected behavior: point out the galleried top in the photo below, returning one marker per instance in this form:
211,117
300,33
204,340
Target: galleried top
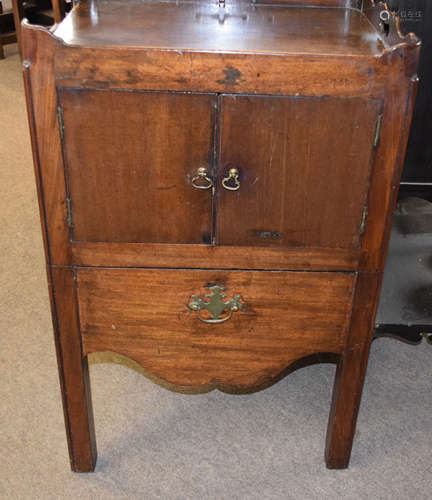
322,27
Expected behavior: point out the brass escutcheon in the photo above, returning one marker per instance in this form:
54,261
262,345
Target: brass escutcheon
216,305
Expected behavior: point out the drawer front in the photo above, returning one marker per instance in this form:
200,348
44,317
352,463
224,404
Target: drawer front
191,328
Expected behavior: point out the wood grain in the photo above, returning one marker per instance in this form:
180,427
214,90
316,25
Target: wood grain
217,257
240,27
144,314
73,373
389,160
139,161
156,69
351,371
72,367
304,180
38,53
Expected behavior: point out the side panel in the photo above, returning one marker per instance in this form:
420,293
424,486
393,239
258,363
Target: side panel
39,47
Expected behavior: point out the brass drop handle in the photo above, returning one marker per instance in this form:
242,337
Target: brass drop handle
231,182
202,180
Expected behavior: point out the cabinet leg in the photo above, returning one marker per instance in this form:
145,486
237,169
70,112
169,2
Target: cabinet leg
73,372
350,373
343,414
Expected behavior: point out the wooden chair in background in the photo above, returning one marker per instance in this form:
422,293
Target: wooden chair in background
43,12
7,29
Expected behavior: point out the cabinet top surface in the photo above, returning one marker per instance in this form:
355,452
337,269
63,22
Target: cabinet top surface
204,26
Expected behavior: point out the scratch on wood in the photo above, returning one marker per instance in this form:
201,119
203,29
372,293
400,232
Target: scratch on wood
266,234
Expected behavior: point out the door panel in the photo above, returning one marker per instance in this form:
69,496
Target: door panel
130,158
304,168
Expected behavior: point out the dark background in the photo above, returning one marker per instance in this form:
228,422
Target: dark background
416,16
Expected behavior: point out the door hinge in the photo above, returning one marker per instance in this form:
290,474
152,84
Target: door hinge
69,212
60,121
378,128
363,220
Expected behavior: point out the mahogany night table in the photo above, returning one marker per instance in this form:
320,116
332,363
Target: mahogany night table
216,186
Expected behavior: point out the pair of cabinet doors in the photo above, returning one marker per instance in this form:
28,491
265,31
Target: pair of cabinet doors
133,158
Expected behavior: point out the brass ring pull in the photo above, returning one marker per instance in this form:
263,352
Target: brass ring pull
220,310
231,182
200,177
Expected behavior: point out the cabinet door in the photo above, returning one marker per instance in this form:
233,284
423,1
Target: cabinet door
304,168
130,159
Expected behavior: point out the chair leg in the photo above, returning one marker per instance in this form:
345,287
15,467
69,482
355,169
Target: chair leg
2,54
73,372
18,14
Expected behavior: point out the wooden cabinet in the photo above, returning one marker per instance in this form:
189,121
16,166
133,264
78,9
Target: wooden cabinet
216,185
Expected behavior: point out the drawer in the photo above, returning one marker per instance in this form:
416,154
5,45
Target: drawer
191,328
